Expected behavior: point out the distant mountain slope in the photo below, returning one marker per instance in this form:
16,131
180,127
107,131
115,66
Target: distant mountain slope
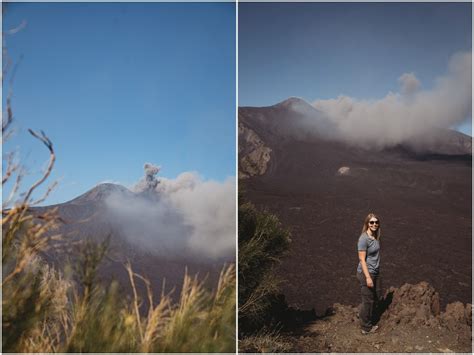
322,189
294,118
87,217
100,193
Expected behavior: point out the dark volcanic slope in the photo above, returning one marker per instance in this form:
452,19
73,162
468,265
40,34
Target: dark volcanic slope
423,200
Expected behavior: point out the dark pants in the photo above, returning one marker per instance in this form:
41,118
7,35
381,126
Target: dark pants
370,300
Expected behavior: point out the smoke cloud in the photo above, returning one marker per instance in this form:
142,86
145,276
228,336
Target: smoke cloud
408,115
182,217
409,84
149,181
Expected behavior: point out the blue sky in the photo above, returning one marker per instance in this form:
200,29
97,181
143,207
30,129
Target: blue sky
115,85
320,51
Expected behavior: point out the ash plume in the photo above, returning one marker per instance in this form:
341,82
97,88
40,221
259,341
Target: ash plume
406,116
182,217
149,182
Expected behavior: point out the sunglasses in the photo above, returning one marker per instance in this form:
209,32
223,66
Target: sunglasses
374,222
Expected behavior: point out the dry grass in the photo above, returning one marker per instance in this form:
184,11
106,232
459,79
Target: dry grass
264,341
44,312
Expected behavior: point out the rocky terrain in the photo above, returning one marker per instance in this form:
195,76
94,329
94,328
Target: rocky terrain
411,323
255,155
321,189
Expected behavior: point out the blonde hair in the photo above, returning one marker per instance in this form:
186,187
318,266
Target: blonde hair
365,227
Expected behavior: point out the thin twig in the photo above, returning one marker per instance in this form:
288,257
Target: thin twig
9,120
10,167
52,157
46,194
14,190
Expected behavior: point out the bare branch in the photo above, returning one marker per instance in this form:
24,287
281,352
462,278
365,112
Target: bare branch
14,190
52,157
9,119
6,123
11,167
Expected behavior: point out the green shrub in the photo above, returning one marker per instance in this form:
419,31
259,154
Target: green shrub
262,243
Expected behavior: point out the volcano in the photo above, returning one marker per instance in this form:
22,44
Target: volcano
322,188
88,217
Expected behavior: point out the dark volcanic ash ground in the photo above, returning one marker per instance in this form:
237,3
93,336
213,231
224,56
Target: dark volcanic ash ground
322,190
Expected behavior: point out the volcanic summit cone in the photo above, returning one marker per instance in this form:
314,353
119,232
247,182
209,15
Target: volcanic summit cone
88,217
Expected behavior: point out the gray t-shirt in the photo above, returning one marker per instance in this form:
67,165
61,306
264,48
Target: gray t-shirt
372,247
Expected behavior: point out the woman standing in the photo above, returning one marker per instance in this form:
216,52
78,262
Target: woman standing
368,271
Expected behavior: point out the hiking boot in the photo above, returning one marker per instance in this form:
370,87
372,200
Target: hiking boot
372,330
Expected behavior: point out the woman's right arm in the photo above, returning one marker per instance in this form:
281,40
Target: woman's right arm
365,269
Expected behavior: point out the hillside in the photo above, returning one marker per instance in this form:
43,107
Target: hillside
322,188
87,217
